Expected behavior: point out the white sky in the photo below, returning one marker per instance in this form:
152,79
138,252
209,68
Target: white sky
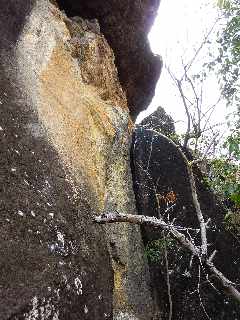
178,30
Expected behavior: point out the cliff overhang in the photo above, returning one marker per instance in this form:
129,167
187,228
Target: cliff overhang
126,24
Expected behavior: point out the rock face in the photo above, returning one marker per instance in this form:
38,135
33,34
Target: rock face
161,183
65,137
159,121
125,24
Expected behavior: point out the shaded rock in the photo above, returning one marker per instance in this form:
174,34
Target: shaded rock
125,25
159,121
161,183
65,137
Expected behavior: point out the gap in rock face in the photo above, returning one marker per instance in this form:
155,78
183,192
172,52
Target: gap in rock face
76,8
125,24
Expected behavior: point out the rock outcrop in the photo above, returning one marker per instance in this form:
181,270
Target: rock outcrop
125,24
160,121
162,185
65,136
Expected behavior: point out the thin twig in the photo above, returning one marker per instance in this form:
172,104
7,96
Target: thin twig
199,294
188,65
186,138
205,153
168,278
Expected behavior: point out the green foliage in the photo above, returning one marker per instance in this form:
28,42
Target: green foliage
177,138
229,50
225,171
155,249
224,179
223,3
233,145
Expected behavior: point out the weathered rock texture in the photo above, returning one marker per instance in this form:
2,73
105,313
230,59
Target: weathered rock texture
65,135
125,24
160,178
159,121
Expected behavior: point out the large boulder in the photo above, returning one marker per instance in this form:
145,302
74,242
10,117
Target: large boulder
65,136
160,121
162,186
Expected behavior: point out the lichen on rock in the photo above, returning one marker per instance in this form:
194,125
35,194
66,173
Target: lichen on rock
65,137
125,24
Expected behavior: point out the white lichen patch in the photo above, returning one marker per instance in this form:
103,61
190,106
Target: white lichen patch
33,213
20,213
26,182
124,316
78,285
33,314
16,151
60,238
47,183
42,309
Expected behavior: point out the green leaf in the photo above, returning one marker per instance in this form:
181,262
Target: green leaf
235,198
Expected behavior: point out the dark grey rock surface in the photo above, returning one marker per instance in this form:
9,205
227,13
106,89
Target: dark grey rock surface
53,261
159,172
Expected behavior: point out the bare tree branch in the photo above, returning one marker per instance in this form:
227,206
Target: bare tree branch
168,278
197,105
190,63
199,293
193,191
206,151
113,217
186,138
188,243
184,100
195,118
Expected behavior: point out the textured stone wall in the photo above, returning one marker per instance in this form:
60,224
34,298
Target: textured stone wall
65,136
125,24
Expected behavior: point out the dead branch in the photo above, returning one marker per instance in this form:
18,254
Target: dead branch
205,153
186,138
113,217
184,100
173,230
168,278
193,109
199,293
205,39
193,191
